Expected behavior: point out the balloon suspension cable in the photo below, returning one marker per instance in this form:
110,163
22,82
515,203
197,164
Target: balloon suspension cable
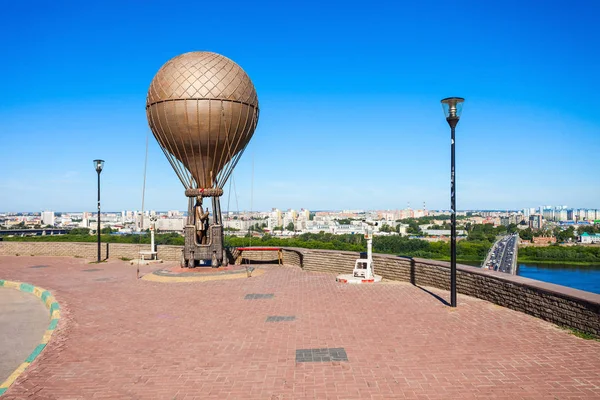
143,199
229,196
252,195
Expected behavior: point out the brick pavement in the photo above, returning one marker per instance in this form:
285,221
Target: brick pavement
124,338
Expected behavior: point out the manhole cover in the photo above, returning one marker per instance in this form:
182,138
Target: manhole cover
321,355
256,296
280,318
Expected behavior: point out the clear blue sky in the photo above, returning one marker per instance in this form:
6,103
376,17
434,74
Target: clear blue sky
349,95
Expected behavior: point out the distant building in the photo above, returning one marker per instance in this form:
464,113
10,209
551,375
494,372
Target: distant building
444,232
561,215
535,221
170,224
528,211
589,239
48,218
548,214
544,239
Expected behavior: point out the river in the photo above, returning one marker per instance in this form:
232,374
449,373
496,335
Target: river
582,277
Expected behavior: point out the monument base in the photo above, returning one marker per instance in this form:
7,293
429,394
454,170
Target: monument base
145,262
349,278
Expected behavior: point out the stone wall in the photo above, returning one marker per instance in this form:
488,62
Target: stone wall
260,256
292,257
89,251
561,305
169,253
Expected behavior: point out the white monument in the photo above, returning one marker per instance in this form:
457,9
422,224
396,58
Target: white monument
363,267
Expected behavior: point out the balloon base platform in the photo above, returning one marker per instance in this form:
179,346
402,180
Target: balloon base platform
145,262
201,274
349,278
203,269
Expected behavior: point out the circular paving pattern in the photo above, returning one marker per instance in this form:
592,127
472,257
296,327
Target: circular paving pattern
202,274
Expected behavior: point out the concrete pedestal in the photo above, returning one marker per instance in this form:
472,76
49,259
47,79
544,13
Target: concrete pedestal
349,278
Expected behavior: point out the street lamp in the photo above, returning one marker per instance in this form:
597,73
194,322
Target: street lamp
452,107
99,164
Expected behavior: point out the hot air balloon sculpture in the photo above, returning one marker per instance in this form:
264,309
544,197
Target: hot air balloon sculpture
202,109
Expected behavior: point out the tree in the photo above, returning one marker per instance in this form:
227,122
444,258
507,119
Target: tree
526,234
512,228
257,227
107,230
565,235
413,226
290,227
386,228
591,229
79,231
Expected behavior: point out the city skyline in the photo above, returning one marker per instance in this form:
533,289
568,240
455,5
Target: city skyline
349,118
526,210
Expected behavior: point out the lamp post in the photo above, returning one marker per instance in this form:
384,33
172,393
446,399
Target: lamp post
98,164
452,107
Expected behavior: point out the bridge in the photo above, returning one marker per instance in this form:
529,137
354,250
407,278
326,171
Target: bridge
502,257
33,232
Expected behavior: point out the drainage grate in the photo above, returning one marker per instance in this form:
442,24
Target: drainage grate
321,355
91,270
39,266
256,296
102,279
278,318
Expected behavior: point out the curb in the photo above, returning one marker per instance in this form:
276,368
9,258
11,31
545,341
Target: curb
53,308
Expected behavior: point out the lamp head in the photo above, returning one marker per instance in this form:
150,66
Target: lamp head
99,164
452,107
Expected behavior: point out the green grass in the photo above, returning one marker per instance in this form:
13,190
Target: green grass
583,335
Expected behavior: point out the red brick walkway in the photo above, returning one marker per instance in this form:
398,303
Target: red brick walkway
124,338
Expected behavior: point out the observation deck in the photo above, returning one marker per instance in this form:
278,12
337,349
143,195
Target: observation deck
293,332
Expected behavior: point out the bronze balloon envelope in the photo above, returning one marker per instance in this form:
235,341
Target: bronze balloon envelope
203,110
